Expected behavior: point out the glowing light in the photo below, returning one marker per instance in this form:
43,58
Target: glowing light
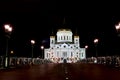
95,40
10,29
86,46
11,52
42,47
117,26
7,26
32,41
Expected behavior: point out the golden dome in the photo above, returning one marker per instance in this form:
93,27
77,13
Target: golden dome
52,36
76,36
64,29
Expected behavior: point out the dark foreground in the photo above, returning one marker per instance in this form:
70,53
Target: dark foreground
61,72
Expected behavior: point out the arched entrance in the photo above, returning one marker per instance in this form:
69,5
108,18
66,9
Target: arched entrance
64,61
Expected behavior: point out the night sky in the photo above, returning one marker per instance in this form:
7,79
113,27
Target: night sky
36,19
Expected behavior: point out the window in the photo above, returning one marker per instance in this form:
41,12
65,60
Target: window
59,38
77,56
52,41
57,54
64,54
82,54
69,37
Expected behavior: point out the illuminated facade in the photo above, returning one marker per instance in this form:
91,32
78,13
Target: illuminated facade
64,47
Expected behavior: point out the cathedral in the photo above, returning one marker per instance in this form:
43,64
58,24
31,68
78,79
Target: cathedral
64,47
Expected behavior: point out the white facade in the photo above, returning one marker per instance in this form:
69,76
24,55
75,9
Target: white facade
64,47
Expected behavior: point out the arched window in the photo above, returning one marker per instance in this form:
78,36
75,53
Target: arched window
47,55
57,54
82,54
52,41
71,54
64,54
64,37
59,38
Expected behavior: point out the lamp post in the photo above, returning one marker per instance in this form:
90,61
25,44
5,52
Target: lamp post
8,30
86,47
42,47
32,43
118,29
96,42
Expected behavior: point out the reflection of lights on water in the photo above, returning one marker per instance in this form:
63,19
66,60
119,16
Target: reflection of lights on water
66,72
66,77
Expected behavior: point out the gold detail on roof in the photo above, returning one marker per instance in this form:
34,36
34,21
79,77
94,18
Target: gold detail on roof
52,36
64,29
76,36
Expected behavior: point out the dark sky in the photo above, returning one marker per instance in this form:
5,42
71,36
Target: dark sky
36,19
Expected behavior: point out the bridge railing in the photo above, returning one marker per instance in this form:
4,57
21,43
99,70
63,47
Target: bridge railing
21,61
107,60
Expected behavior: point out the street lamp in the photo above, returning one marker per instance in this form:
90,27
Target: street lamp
42,47
86,47
8,30
117,27
32,43
96,42
11,52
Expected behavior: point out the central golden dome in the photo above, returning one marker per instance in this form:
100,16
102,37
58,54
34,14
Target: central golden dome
64,29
